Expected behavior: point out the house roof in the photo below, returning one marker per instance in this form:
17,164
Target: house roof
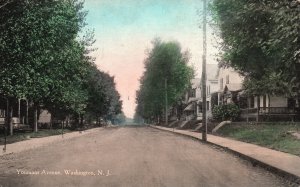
233,87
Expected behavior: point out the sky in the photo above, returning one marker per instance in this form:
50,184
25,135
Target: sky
124,30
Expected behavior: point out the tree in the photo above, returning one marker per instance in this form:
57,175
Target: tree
165,62
103,98
40,55
44,60
260,39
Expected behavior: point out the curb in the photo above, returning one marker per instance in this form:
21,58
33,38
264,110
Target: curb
54,139
284,174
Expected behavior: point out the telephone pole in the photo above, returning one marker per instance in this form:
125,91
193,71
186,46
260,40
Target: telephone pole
204,121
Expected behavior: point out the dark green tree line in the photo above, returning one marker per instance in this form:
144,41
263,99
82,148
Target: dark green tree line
166,65
42,57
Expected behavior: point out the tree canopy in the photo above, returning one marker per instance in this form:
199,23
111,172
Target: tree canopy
261,40
165,62
44,60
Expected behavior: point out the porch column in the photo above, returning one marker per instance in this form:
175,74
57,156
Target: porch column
258,107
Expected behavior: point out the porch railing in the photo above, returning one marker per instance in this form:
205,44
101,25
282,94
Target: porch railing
271,111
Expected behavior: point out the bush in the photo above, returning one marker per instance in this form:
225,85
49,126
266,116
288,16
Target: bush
226,112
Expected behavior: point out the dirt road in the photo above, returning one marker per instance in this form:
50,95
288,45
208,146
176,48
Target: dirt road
131,156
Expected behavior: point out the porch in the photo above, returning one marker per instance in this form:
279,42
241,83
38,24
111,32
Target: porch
270,114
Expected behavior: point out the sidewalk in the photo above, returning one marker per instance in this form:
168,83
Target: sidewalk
284,164
39,142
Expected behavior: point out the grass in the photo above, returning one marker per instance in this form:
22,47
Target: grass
21,136
274,136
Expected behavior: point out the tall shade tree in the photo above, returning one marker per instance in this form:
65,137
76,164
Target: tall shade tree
165,63
103,98
40,55
261,40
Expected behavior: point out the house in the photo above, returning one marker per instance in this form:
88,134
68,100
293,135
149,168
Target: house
230,85
192,97
193,110
259,108
44,118
212,87
19,113
268,107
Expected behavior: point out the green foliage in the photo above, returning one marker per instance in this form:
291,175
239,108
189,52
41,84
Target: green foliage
274,136
261,40
226,112
44,60
119,119
103,98
165,62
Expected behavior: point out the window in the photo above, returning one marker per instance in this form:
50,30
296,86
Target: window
252,102
221,84
208,90
200,108
264,101
192,93
227,79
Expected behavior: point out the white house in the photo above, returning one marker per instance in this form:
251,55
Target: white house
255,107
230,83
212,85
193,95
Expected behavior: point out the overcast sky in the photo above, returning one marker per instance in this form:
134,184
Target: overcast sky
124,30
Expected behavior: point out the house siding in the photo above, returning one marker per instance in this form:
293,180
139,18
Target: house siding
228,76
45,117
278,102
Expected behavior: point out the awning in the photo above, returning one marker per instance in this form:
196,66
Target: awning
190,107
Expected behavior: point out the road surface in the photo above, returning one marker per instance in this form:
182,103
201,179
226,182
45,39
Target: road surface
129,157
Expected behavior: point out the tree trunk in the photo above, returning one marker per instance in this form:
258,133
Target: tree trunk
10,122
67,120
258,108
51,121
27,120
35,118
81,120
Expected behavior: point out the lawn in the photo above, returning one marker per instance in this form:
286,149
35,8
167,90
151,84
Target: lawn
21,136
274,135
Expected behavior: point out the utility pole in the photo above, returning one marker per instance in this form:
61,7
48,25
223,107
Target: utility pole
204,121
166,97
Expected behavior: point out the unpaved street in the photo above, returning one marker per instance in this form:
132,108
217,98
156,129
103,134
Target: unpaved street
130,156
